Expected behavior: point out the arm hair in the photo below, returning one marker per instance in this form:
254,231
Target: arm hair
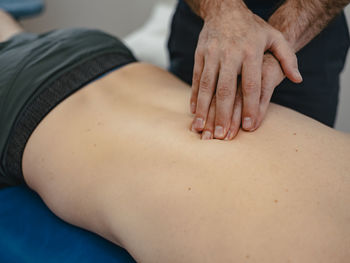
302,20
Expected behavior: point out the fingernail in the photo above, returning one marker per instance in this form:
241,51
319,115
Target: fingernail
298,75
198,123
247,123
193,107
206,135
219,132
193,129
228,136
231,135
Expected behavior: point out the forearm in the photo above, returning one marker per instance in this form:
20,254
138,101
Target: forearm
302,20
208,8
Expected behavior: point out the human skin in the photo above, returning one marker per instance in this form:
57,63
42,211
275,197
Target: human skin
233,42
301,20
8,26
118,158
232,33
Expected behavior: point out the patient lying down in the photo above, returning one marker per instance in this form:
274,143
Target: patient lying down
117,157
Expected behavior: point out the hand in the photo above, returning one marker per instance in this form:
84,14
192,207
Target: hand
272,76
208,131
233,43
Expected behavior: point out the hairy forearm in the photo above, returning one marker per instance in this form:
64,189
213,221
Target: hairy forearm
207,8
301,20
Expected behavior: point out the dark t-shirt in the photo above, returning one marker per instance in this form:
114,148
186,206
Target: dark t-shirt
263,8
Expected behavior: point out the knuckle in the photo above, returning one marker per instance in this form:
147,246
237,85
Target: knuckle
196,76
224,91
227,55
205,84
278,35
211,51
213,45
250,52
262,35
249,87
289,54
228,51
199,52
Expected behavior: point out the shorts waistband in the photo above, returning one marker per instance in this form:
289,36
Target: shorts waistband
50,97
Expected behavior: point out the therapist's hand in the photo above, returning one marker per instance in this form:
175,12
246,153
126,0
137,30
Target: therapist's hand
233,42
272,76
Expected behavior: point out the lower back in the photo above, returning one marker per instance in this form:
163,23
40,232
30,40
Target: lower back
279,193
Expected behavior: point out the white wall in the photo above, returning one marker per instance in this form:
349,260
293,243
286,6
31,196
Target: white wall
120,17
343,120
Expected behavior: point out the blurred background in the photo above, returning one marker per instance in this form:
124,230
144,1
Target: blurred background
123,17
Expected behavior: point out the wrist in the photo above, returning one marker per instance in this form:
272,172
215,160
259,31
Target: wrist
209,9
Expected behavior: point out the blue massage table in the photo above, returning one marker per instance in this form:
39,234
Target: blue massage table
22,8
31,233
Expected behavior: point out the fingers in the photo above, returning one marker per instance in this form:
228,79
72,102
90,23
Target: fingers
287,58
272,76
208,131
251,88
225,97
236,117
197,73
266,94
207,87
235,122
211,75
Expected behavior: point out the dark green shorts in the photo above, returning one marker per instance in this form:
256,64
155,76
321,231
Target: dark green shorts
37,72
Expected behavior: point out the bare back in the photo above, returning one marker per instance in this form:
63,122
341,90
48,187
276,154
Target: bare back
118,159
